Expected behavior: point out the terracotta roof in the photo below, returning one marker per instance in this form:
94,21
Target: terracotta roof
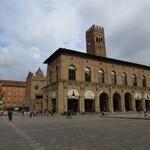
61,51
13,83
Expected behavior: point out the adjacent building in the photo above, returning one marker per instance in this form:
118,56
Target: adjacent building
92,82
12,94
34,94
1,99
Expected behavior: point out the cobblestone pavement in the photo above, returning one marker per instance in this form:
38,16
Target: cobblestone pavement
129,115
85,132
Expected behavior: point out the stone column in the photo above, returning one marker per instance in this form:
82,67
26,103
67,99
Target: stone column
122,102
50,104
81,101
65,100
143,104
111,101
49,100
60,98
97,104
133,104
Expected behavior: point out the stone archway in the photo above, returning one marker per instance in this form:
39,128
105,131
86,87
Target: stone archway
73,101
116,102
89,101
138,102
147,102
128,101
53,101
104,102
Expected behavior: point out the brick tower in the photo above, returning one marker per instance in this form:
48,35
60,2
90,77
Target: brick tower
95,41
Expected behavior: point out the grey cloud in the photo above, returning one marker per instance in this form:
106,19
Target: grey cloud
131,39
33,29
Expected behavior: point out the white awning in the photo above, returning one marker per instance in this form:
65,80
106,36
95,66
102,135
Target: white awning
73,94
138,96
89,94
147,96
53,94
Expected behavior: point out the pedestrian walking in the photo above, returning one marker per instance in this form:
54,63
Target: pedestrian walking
9,115
30,114
69,114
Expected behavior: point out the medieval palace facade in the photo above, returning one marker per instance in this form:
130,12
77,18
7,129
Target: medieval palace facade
92,82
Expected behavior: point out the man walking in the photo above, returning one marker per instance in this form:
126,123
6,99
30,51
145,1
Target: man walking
9,115
69,114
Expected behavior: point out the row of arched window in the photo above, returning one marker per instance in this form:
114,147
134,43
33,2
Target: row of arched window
101,76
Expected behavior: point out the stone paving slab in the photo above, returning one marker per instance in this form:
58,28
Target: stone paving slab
84,132
128,115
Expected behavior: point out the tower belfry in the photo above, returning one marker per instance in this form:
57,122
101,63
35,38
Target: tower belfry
95,41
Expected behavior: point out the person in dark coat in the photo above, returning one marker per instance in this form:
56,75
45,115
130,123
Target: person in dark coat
69,114
31,114
9,115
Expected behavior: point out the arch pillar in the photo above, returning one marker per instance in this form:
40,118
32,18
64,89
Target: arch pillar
111,102
97,104
133,104
81,102
65,100
122,102
50,100
60,98
143,104
48,103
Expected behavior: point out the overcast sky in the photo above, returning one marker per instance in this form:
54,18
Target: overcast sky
31,30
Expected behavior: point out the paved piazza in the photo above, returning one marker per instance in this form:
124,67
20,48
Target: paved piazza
86,132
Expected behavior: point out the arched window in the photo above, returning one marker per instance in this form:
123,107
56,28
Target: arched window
113,78
87,74
101,76
143,81
72,72
134,80
124,78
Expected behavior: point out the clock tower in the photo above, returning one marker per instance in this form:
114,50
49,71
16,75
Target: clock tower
95,41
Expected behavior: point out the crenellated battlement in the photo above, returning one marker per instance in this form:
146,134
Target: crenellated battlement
95,28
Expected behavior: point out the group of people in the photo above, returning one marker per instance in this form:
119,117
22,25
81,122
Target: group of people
68,114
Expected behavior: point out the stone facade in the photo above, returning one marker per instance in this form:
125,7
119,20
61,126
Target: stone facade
13,94
92,82
34,93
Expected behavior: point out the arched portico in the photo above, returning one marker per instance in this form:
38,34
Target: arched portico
147,102
128,101
116,102
138,102
53,101
104,102
73,100
89,101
